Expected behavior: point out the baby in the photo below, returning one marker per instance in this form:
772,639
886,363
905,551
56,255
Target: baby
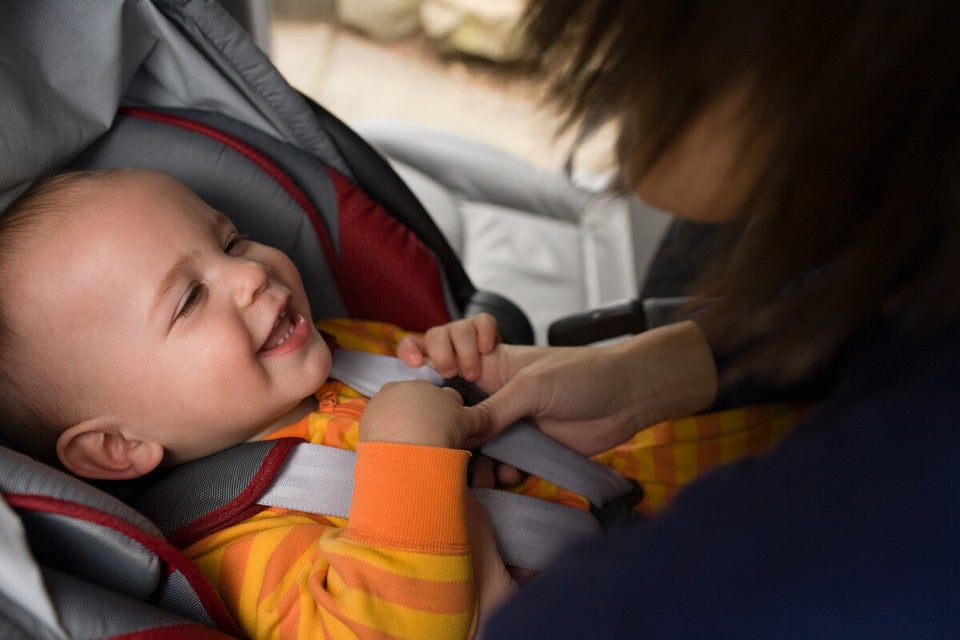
141,330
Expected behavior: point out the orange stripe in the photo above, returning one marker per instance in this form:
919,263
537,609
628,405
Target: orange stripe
664,464
662,433
293,546
709,453
289,613
233,568
759,431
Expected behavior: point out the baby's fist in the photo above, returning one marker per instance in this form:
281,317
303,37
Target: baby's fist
417,412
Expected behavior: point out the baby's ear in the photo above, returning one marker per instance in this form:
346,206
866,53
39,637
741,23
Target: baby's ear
98,449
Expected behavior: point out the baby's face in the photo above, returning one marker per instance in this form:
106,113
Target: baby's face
169,320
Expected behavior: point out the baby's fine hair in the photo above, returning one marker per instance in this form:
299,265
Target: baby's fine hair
33,411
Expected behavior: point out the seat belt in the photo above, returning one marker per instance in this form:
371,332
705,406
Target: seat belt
530,532
520,445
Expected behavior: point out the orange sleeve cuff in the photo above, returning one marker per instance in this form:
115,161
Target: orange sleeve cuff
410,497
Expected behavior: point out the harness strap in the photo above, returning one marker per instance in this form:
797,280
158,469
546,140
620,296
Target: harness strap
368,372
526,447
314,478
529,532
521,445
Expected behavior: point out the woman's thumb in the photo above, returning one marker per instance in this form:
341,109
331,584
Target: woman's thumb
504,407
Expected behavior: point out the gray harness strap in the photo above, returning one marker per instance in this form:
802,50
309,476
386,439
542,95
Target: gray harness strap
521,445
529,532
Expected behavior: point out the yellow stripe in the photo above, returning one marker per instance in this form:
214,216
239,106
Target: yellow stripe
394,620
408,564
733,443
687,461
686,429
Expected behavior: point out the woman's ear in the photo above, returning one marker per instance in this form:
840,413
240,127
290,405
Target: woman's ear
99,449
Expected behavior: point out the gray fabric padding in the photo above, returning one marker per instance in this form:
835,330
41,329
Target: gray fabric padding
23,475
493,175
99,554
95,553
23,594
88,612
64,69
178,596
17,623
307,170
67,66
250,73
231,473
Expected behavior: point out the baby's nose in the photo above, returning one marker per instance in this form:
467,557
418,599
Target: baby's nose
251,278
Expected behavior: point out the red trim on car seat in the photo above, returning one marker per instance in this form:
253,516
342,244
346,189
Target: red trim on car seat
241,507
184,631
170,555
255,156
416,304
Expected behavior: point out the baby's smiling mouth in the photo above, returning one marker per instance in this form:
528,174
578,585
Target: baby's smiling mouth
283,328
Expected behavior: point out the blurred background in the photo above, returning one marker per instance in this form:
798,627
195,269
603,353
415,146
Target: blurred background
447,64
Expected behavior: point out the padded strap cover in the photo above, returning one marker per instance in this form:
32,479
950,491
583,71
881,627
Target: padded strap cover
76,529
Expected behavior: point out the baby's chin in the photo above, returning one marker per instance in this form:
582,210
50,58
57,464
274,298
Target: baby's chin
287,417
321,356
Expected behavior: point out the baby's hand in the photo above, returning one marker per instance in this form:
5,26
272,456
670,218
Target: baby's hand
417,412
453,348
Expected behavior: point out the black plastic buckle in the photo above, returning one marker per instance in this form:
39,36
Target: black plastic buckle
620,510
471,393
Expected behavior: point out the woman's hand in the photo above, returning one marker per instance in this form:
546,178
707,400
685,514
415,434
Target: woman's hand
595,397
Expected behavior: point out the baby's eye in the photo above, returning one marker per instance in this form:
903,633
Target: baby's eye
235,243
189,301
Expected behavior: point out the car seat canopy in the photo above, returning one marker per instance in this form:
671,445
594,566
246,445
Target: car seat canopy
93,57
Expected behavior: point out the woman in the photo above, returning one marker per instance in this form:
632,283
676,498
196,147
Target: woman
832,128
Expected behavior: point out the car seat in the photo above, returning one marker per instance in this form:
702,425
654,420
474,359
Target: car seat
176,85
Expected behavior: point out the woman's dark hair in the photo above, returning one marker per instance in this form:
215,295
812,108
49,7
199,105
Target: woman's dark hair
853,107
